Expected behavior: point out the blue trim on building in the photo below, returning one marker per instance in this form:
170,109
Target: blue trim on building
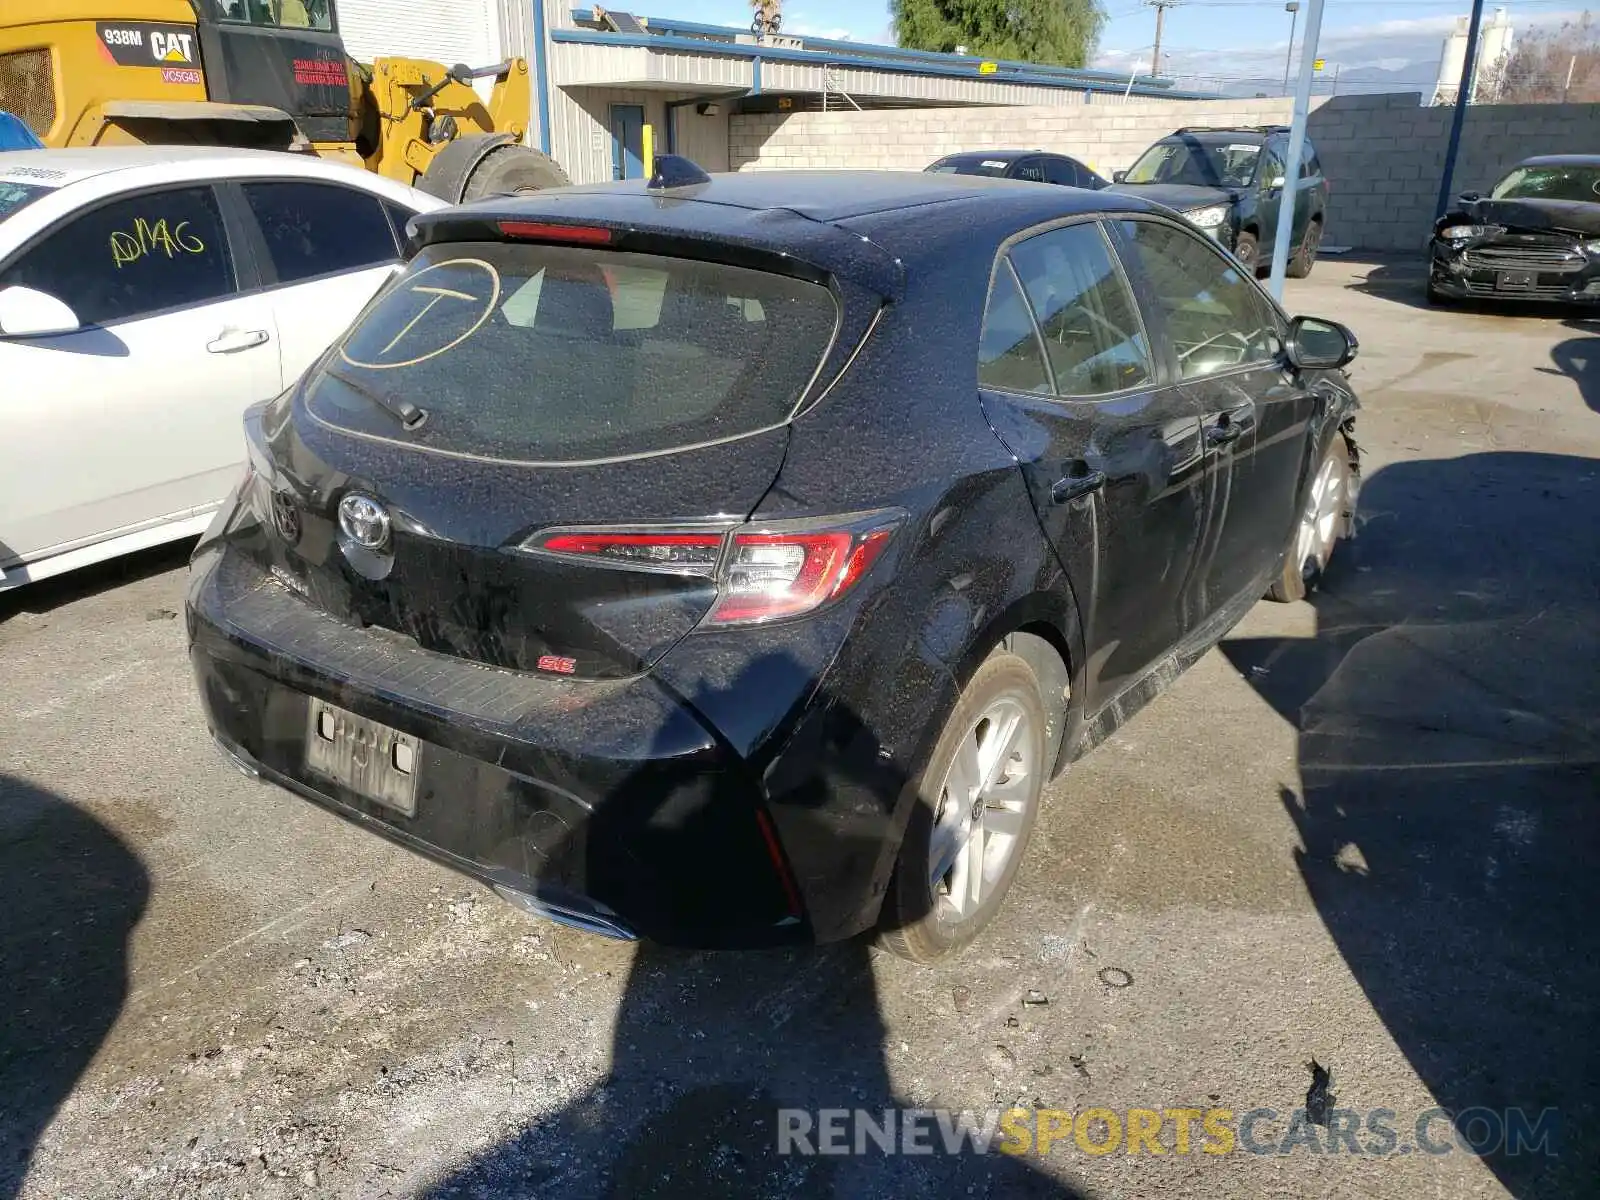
755,75
541,69
946,69
670,25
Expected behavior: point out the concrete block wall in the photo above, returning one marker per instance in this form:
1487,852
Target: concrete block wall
1385,157
1107,136
1383,154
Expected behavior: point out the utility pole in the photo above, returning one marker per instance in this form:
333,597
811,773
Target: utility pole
1161,7
1469,64
1293,9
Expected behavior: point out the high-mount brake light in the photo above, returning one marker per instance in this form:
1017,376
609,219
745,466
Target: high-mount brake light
552,231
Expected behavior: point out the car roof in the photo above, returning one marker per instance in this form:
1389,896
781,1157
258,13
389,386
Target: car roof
818,217
1561,160
840,195
84,162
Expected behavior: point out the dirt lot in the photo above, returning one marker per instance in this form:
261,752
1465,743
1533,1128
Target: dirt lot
1362,832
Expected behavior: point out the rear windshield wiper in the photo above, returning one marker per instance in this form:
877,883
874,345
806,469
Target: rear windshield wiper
401,409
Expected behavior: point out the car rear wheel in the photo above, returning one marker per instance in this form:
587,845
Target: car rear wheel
1321,522
1306,256
977,802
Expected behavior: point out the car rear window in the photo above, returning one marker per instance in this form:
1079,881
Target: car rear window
561,354
992,167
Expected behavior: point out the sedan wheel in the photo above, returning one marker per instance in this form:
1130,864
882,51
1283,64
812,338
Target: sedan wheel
976,808
1320,524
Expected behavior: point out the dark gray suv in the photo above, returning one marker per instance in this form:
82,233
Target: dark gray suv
1230,183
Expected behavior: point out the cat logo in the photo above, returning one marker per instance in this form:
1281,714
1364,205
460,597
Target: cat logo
144,44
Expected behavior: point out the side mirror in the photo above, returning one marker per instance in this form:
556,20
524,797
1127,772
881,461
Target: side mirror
1318,345
25,312
1119,176
1470,197
1276,183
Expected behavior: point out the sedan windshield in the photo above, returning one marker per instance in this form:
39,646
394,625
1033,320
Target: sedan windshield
1199,164
1550,183
16,196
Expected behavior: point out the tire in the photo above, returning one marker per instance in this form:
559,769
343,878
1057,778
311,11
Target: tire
512,171
1248,251
924,918
1306,256
1324,517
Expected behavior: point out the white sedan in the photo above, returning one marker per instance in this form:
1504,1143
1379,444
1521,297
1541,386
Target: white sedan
148,295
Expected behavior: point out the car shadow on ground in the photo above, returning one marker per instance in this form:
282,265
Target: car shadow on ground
710,1048
1578,358
1402,279
61,590
71,893
1450,813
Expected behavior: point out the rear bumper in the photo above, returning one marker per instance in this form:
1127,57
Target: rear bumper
1450,275
609,805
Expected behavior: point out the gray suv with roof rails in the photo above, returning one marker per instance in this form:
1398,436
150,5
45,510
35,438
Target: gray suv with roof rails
1230,183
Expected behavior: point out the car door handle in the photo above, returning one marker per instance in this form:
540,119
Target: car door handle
230,341
1224,433
1075,486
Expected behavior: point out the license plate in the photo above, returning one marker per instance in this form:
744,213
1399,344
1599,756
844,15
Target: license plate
1515,281
369,758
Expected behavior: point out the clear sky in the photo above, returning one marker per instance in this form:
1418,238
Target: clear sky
1217,39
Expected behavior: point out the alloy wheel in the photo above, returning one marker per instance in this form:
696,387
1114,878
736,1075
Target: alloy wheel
1319,524
982,807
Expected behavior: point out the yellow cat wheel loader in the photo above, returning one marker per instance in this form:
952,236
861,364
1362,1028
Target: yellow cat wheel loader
263,73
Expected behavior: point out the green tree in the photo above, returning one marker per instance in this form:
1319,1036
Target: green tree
1063,32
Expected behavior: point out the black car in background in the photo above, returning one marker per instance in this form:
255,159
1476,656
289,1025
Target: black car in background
1230,183
735,562
1535,236
1035,166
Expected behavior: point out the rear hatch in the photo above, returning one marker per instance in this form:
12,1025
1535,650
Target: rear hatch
529,451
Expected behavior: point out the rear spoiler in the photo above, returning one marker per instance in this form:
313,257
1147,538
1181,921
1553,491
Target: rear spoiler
777,240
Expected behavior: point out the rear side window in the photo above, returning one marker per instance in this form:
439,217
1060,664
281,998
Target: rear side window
1031,169
132,257
1062,171
1091,327
314,229
558,354
1009,357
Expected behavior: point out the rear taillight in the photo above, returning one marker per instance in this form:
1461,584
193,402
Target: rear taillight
694,553
763,572
770,575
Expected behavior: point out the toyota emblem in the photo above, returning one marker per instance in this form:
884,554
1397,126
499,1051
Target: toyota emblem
364,521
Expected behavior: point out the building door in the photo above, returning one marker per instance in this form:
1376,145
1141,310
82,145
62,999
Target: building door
627,141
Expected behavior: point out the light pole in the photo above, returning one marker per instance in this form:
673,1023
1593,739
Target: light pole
1293,9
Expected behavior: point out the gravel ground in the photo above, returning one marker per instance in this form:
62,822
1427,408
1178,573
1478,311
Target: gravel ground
1359,833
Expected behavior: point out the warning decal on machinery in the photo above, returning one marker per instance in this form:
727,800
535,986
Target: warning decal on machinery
147,44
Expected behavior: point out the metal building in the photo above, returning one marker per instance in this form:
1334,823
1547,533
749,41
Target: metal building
610,86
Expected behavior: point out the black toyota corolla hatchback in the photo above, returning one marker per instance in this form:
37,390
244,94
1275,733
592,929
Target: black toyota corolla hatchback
734,562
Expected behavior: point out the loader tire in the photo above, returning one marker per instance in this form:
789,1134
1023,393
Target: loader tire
513,171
